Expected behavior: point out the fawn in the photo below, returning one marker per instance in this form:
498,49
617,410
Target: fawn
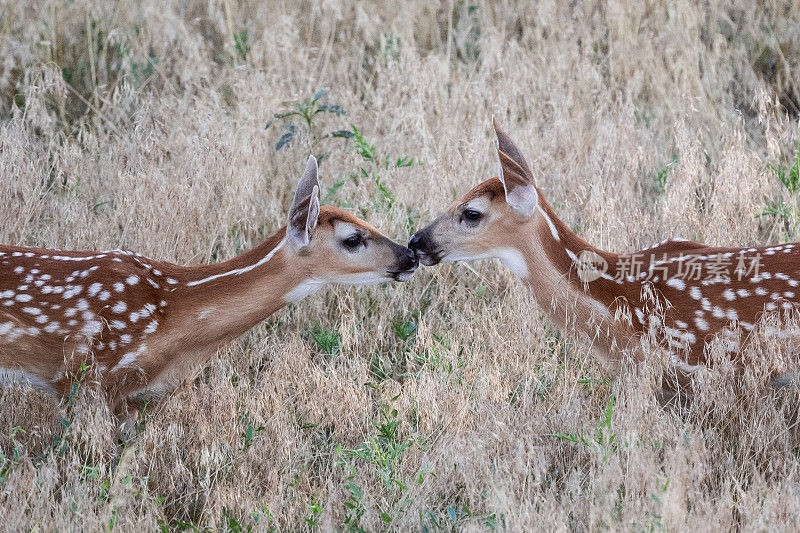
684,292
146,326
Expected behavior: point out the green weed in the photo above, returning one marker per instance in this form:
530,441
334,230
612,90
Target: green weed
661,175
788,212
328,340
604,441
307,114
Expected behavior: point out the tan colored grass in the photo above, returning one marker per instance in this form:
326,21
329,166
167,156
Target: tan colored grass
175,162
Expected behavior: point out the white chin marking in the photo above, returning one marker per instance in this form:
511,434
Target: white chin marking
363,278
511,258
404,276
304,289
311,286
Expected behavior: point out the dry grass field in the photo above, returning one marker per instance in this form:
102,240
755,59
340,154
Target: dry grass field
178,128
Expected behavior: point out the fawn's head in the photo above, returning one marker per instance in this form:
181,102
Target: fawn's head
486,222
333,246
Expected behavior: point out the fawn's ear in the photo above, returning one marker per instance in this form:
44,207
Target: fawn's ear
305,208
515,174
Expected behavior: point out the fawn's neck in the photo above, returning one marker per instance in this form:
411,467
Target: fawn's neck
221,301
551,251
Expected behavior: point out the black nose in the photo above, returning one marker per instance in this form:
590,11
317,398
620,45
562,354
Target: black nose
416,241
411,260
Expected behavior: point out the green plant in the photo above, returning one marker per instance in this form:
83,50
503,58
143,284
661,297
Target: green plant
307,114
604,441
372,166
787,212
436,356
383,455
328,340
250,431
661,175
240,43
790,177
405,329
5,462
314,512
384,451
354,503
466,31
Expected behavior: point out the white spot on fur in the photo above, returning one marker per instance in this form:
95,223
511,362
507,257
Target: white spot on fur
729,295
72,290
94,288
130,357
676,283
93,327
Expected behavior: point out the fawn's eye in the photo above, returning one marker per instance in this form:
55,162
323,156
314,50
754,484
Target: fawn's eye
471,215
352,241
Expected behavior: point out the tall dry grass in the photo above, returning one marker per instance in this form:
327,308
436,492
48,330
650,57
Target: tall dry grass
429,405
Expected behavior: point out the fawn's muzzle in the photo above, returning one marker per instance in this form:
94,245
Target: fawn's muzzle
422,246
407,263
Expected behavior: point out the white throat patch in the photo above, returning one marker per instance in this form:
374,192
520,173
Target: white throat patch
510,257
306,288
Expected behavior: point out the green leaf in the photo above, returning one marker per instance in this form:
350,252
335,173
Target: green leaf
344,134
286,138
336,109
332,190
386,518
319,94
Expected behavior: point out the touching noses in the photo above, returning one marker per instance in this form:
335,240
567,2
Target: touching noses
407,263
421,244
410,260
416,241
